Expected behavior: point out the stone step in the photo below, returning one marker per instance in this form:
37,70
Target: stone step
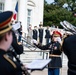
29,55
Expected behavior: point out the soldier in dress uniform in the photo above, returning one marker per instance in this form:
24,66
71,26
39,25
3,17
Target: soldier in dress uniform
69,48
35,33
47,36
55,52
40,34
7,65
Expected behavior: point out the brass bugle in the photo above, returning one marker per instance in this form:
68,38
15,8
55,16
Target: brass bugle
68,27
24,70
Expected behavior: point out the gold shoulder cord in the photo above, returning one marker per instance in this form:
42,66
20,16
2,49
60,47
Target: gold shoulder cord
61,45
62,42
12,63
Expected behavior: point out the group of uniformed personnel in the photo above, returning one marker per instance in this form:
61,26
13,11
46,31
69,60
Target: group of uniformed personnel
10,67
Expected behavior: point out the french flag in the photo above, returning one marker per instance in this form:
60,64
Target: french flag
15,12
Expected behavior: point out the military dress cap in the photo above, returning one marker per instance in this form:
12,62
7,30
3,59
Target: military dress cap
5,21
57,34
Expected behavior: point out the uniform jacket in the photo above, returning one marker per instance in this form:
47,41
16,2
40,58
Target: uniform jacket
35,34
8,66
54,48
69,48
41,32
47,34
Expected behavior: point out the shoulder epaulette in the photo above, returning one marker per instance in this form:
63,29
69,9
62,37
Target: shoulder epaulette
10,61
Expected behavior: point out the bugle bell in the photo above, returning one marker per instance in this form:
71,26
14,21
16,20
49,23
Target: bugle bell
68,26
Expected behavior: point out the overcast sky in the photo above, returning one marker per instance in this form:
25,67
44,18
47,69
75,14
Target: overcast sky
50,1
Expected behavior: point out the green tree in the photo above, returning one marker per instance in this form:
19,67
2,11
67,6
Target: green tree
54,13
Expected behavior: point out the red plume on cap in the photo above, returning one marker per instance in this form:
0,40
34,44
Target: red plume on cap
57,33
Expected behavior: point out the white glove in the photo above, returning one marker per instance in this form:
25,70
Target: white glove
59,40
34,41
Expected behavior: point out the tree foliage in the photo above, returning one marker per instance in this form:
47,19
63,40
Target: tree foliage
54,13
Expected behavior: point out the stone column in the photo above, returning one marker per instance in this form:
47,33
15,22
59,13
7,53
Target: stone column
8,5
22,14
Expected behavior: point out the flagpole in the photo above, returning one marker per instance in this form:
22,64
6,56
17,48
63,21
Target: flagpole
17,9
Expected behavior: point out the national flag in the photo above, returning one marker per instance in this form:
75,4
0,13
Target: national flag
16,11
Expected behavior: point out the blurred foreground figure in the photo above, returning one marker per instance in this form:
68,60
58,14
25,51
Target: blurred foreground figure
7,65
69,48
17,46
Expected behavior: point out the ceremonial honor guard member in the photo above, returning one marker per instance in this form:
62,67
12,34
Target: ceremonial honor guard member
55,52
47,36
7,65
35,33
40,34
